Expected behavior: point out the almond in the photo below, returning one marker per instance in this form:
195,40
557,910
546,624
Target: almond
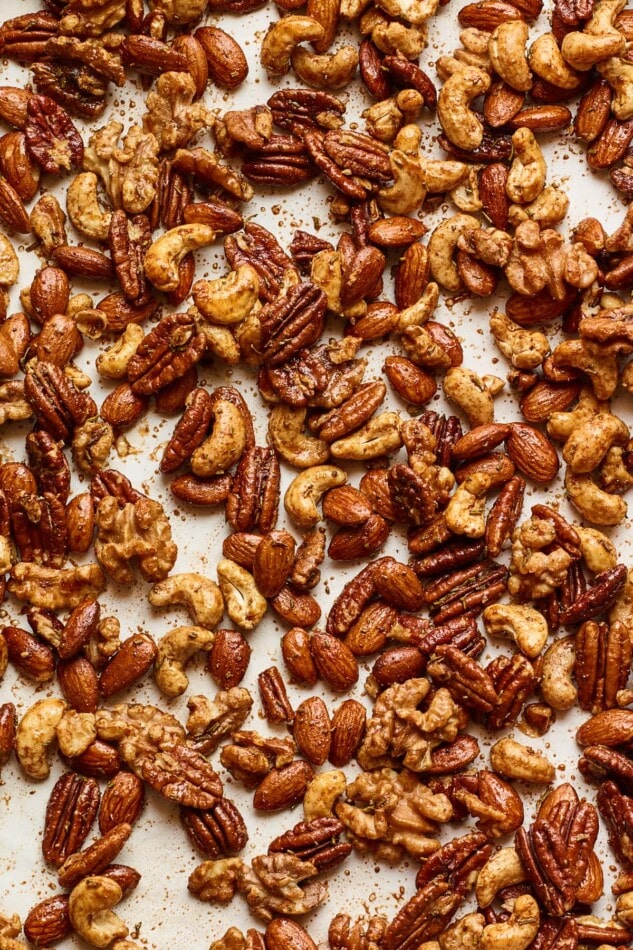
296,607
487,14
285,934
501,104
48,922
396,231
479,278
546,397
543,118
295,649
100,760
410,382
334,661
132,660
12,211
80,626
350,544
412,275
612,144
380,318
50,292
8,726
348,729
13,105
593,112
532,453
273,561
492,192
399,585
83,262
126,877
122,408
537,308
228,658
369,633
283,787
226,61
32,658
79,684
398,665
346,505
17,165
611,728
311,730
122,801
480,440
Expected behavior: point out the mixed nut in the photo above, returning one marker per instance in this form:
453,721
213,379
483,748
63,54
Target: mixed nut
482,568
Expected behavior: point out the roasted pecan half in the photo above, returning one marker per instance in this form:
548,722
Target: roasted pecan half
315,841
57,404
291,323
254,498
70,812
129,239
171,348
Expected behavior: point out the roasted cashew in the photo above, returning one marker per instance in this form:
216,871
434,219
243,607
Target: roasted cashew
502,869
469,392
514,760
526,349
442,175
409,186
459,122
390,36
9,263
307,488
84,210
588,444
549,208
321,794
379,436
598,551
526,179
525,625
560,425
422,310
325,70
281,39
599,39
244,603
442,245
199,594
465,512
221,342
287,435
175,649
619,74
594,504
228,299
224,447
113,363
518,931
35,732
163,258
624,909
506,49
557,687
89,907
385,118
75,732
463,934
465,195
546,60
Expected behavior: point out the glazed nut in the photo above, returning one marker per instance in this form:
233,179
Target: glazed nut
322,793
469,393
516,761
592,502
162,260
518,931
502,869
506,49
525,625
244,603
526,349
527,173
557,686
35,733
84,209
325,70
380,436
588,444
175,649
113,363
305,491
224,447
442,246
459,122
598,551
281,39
287,435
228,300
90,908
199,594
465,512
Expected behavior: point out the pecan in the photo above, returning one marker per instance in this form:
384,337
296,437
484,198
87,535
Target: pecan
282,160
275,700
259,248
492,148
25,37
290,323
603,657
298,109
454,554
57,404
39,528
468,683
129,239
513,679
408,74
447,431
315,841
414,499
305,246
64,84
49,464
617,811
487,797
424,916
254,498
51,138
465,592
190,432
173,196
70,812
350,603
349,185
220,831
599,761
166,353
598,598
457,863
370,64
305,573
95,858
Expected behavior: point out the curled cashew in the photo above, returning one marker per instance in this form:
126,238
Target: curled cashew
442,175
175,649
619,74
560,425
228,299
163,258
307,488
506,49
281,39
526,178
322,792
9,263
442,246
549,208
589,443
502,869
468,391
379,436
225,445
514,760
594,504
289,439
527,626
244,603
113,363
465,512
557,687
526,349
325,70
599,40
420,311
84,210
36,731
408,190
598,552
89,907
466,194
459,122
546,60
221,342
75,732
200,595
518,931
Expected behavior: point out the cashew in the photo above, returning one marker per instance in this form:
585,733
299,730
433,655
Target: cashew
547,209
379,436
9,263
35,732
518,931
307,488
224,447
560,425
113,363
200,595
624,909
84,210
221,342
557,687
527,626
599,39
464,934
468,391
465,512
526,179
619,74
175,649
546,60
289,439
228,299
89,906
466,194
459,122
163,258
442,245
594,504
75,732
322,792
390,36
385,118
244,603
502,869
526,349
409,184
325,70
599,553
588,444
506,49
514,760
420,311
281,39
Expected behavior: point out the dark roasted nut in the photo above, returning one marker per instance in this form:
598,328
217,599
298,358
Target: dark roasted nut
315,841
295,649
8,725
49,921
171,348
347,732
273,561
190,432
228,658
72,807
79,684
32,658
96,857
283,787
51,138
130,663
254,498
334,661
296,109
291,323
311,730
275,700
602,660
218,832
226,61
129,239
504,515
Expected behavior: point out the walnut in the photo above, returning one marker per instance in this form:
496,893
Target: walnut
360,934
211,720
216,881
130,171
542,259
14,407
140,530
55,588
535,573
92,17
172,116
104,643
92,441
271,886
251,756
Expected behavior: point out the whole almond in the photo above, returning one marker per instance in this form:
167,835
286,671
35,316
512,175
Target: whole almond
544,118
346,505
350,544
118,311
122,801
611,144
79,684
227,64
496,466
396,231
593,112
412,275
240,546
492,192
334,661
488,14
398,665
215,213
295,649
80,626
546,397
126,877
479,278
122,408
32,658
380,318
48,922
50,292
13,105
285,934
480,440
132,660
273,562
501,104
369,633
532,453
348,729
197,65
537,308
12,210
100,760
612,727
399,585
228,658
58,341
17,165
410,382
283,787
296,607
83,262
311,730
